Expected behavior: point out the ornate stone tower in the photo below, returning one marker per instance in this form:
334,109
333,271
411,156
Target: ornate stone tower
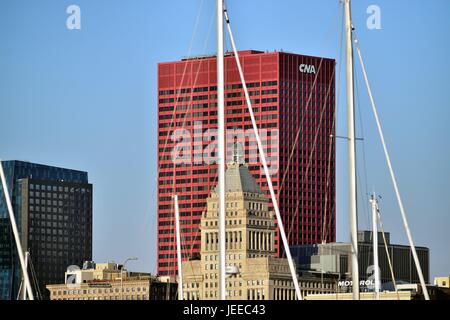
253,271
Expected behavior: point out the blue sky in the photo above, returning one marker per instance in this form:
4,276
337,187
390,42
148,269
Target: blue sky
86,99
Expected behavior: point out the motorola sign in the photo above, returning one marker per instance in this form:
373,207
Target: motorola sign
307,68
362,283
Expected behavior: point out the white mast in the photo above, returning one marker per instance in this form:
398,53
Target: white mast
22,288
374,203
265,167
352,204
24,292
221,146
16,234
180,269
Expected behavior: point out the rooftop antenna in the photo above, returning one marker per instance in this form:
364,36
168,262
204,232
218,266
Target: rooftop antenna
235,153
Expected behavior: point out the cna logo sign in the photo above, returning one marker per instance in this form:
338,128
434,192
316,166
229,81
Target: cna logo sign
307,68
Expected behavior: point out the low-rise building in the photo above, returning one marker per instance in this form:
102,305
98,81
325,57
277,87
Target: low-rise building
435,292
402,291
109,281
442,282
312,282
386,295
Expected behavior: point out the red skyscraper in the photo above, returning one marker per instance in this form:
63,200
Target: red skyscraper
293,97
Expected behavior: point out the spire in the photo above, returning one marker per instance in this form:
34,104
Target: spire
237,156
235,153
237,176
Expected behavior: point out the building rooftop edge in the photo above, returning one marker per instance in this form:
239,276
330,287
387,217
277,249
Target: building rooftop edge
44,165
245,52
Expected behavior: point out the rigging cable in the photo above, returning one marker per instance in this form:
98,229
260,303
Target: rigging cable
359,110
393,178
363,201
264,163
325,229
34,277
164,149
305,177
295,144
391,269
184,71
189,108
186,246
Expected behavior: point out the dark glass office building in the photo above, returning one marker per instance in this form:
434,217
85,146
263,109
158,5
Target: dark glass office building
53,210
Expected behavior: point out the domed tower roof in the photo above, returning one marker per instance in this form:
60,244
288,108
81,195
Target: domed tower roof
238,178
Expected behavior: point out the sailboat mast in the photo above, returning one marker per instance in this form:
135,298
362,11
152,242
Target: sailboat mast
376,267
221,146
24,292
352,204
179,258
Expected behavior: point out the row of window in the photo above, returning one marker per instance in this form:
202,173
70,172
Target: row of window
100,291
214,88
213,112
58,188
125,297
171,248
